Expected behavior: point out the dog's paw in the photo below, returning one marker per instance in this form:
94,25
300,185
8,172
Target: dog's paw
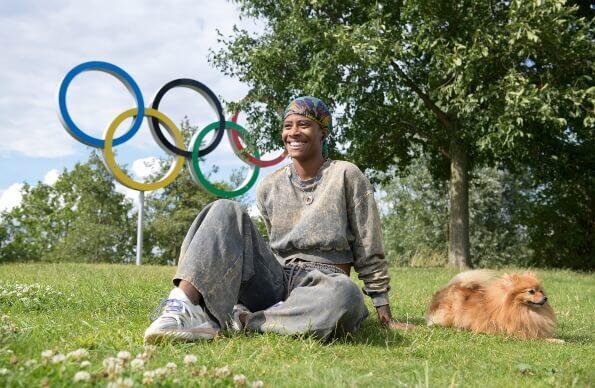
555,340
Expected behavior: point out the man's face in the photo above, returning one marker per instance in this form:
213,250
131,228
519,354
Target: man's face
302,137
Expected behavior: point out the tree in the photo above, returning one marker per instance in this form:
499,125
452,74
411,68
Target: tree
99,227
30,229
472,82
415,213
560,216
171,210
79,218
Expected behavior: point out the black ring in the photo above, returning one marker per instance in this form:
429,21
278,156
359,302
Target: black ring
204,91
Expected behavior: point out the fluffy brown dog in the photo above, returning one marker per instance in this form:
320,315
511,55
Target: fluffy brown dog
514,304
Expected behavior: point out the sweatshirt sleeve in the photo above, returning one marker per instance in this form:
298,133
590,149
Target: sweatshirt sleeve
260,204
368,250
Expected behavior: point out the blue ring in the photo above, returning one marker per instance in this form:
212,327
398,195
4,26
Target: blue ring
121,75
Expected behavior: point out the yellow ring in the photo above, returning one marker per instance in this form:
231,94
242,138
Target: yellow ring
110,161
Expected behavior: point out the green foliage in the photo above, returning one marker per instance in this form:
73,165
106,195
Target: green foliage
30,230
506,83
415,214
510,77
415,217
170,213
79,218
560,216
171,210
498,235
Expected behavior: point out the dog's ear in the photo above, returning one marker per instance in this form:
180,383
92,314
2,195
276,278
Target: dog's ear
507,280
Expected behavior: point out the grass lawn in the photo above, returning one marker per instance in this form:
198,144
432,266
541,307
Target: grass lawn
105,309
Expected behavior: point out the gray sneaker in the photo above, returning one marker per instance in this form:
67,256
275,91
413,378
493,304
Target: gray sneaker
181,320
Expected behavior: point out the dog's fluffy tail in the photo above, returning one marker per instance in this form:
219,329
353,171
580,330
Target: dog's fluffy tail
472,279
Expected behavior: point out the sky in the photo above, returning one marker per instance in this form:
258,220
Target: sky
153,41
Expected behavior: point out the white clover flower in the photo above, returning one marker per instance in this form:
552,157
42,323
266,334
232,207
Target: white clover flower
190,359
112,366
148,377
171,366
4,371
137,364
30,363
202,372
47,354
222,372
124,355
78,354
121,383
82,376
257,384
58,358
160,373
85,364
239,380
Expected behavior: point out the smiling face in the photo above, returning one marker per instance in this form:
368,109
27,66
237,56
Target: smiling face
302,137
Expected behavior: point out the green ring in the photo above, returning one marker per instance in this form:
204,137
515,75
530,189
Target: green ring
202,181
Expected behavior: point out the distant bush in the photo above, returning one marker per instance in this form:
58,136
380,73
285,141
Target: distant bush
508,221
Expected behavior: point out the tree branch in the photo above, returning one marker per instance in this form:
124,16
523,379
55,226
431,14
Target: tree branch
422,134
442,116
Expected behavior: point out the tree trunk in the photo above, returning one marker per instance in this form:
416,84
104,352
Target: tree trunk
458,236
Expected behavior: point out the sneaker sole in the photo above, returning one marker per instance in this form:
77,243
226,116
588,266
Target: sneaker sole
186,335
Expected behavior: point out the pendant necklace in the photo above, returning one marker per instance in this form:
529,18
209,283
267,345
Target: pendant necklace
307,186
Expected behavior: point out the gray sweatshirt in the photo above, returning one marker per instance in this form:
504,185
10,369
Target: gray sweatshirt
332,218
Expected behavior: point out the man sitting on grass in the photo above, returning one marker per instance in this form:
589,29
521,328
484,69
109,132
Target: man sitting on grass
321,218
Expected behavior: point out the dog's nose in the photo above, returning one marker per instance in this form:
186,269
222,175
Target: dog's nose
544,299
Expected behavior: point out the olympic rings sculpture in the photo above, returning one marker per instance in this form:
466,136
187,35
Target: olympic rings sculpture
157,119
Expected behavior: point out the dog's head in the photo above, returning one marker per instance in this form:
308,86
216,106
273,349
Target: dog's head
525,289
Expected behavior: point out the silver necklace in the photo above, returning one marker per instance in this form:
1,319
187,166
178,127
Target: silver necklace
307,186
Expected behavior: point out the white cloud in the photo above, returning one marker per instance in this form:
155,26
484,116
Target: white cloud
11,197
51,177
128,193
143,168
154,42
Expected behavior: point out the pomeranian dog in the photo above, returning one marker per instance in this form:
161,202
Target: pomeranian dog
478,300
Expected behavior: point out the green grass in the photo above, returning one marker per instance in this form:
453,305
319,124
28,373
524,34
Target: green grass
105,309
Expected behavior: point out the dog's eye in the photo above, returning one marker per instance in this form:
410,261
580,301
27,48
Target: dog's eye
531,292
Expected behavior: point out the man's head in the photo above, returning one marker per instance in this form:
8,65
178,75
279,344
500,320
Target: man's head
306,126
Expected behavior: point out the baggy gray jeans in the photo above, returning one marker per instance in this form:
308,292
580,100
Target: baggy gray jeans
228,261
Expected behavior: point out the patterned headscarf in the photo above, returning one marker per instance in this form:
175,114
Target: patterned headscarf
314,109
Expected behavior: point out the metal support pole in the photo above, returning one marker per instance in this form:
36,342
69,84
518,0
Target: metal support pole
139,228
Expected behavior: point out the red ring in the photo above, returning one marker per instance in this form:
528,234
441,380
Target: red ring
258,162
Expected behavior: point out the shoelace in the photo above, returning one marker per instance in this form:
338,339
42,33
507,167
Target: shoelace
171,305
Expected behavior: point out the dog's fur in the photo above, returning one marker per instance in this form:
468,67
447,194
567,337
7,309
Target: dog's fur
478,300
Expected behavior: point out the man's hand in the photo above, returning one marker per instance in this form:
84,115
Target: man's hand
386,319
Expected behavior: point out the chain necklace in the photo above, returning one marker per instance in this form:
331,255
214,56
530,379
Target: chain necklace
307,186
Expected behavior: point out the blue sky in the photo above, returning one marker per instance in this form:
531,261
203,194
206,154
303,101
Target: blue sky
154,41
